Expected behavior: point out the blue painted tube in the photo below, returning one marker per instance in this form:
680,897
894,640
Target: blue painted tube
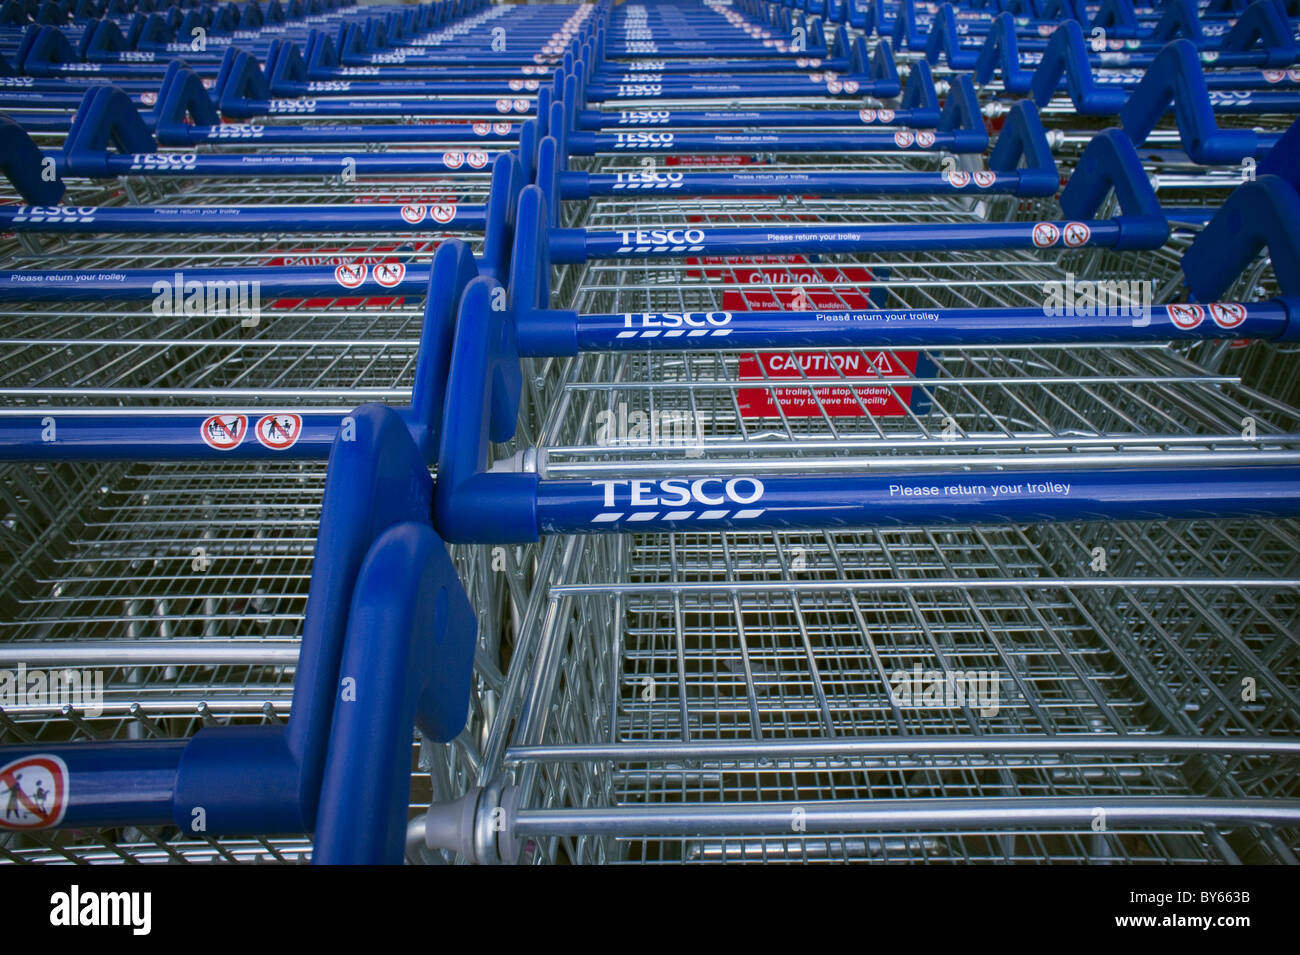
859,87
134,285
894,328
579,245
210,220
40,91
274,166
1255,102
809,184
239,434
790,501
591,119
504,132
589,144
504,107
110,784
696,50
611,72
407,87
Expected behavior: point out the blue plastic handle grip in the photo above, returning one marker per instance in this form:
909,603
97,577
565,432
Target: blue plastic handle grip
1063,319
215,220
736,502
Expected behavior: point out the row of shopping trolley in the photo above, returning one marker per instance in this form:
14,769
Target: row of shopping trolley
863,432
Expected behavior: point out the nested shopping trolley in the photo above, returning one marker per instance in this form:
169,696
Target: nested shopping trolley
775,565
170,521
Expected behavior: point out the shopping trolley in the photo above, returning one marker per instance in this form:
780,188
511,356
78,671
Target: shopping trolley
747,695
218,647
697,687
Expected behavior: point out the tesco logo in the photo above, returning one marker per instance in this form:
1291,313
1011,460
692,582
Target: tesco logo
676,319
681,492
662,236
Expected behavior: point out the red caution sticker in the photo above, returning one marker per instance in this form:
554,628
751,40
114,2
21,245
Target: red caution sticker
222,432
1185,316
279,431
351,274
33,792
1046,234
390,274
1227,314
1076,234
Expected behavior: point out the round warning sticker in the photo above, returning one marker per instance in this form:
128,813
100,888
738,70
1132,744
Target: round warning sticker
221,432
148,99
413,214
958,178
867,115
482,129
278,431
477,159
984,179
1227,314
516,85
351,274
834,86
453,159
886,115
1275,76
925,139
904,138
1075,234
503,106
802,62
443,212
34,792
851,86
501,129
521,106
1046,234
390,274
1185,316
